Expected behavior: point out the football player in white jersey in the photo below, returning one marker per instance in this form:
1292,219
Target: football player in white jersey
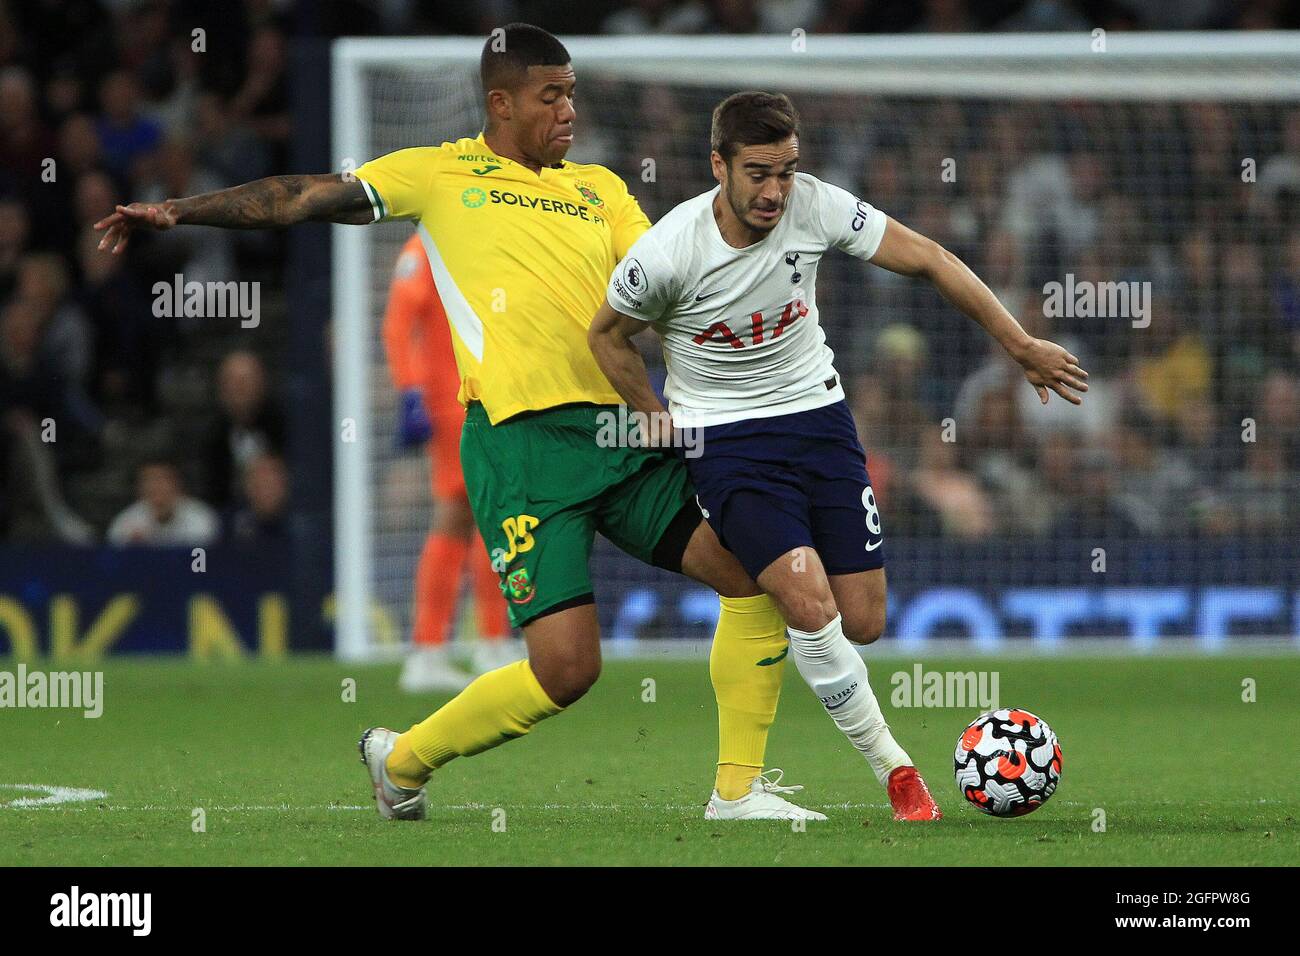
727,280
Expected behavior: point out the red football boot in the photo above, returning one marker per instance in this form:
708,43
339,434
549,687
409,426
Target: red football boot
910,796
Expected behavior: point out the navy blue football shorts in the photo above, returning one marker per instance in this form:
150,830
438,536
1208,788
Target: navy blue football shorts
770,485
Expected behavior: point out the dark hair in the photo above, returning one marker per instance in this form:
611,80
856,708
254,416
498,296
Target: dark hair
752,119
512,49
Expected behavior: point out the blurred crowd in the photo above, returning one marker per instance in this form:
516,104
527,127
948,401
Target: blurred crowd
1191,425
813,16
120,425
115,423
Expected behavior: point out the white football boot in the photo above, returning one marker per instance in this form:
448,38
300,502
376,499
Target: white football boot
763,802
491,654
392,802
430,669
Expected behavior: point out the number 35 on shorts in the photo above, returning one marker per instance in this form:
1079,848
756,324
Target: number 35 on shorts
877,537
518,531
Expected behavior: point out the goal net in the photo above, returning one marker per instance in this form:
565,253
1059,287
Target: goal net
1134,197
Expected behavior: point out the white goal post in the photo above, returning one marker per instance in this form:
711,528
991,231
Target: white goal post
394,92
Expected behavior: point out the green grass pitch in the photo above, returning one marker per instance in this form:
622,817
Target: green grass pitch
1184,770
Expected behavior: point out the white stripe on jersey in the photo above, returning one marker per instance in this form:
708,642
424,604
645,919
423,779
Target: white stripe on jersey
460,314
739,327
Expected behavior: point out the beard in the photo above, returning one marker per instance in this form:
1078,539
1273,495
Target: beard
742,209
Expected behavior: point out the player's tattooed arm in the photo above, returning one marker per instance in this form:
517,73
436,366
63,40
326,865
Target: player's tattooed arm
264,203
610,338
1046,364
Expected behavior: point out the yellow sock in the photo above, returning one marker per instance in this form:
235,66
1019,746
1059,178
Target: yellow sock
404,768
734,779
746,665
501,705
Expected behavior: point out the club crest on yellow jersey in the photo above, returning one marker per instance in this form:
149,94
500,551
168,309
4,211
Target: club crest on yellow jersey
589,194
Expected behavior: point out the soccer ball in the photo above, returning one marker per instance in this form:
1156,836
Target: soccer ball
1007,763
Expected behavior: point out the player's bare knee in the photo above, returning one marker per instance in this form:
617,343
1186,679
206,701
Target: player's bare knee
807,612
582,676
869,626
567,679
866,630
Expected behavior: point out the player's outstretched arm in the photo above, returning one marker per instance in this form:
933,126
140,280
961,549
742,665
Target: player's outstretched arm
264,203
1046,364
610,338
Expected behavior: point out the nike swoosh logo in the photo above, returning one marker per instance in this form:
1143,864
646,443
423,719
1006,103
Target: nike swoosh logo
872,547
769,661
705,295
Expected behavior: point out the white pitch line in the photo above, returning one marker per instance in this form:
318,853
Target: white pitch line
168,808
63,796
53,795
479,807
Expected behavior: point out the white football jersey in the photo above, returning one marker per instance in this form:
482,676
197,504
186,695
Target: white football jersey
739,326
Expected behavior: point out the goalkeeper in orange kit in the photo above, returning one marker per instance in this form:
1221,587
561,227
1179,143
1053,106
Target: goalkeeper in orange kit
423,368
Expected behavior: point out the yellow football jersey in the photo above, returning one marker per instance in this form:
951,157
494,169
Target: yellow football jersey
520,260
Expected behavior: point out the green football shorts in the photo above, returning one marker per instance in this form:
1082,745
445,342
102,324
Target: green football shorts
543,483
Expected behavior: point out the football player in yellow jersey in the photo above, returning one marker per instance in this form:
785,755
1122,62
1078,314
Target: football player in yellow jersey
521,245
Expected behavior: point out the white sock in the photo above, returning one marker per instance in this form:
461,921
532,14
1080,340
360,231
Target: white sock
832,667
